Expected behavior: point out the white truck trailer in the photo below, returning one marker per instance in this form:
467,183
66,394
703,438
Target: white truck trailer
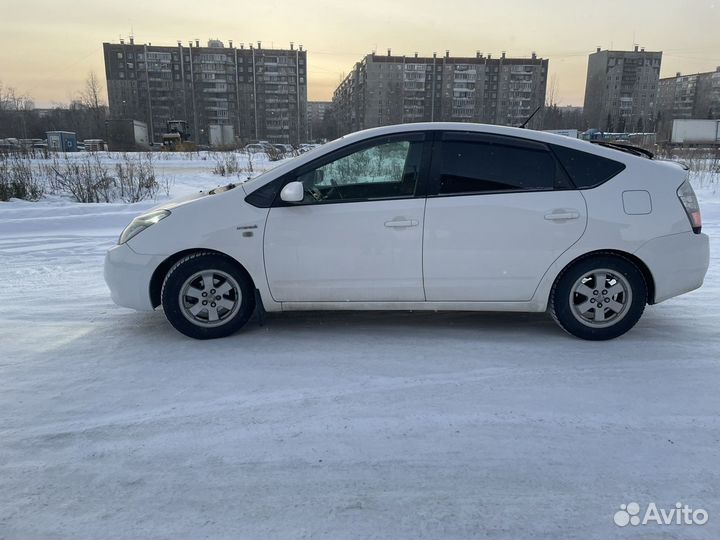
695,132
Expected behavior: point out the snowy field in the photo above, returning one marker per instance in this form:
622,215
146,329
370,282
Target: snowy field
336,425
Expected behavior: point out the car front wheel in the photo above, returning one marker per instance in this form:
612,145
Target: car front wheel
599,297
206,295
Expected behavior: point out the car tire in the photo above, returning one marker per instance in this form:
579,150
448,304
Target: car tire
599,297
207,295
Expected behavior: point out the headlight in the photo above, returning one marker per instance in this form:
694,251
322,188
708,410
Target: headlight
141,223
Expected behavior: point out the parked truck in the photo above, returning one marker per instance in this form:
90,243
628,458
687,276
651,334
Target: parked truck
695,133
126,135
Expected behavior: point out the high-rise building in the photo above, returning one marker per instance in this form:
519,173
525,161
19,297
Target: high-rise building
621,90
687,96
382,90
226,94
317,112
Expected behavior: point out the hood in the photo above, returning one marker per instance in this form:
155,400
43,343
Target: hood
179,201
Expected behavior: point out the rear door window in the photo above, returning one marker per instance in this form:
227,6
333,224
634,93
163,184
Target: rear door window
475,164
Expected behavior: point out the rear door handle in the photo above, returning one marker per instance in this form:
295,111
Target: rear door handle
556,216
402,223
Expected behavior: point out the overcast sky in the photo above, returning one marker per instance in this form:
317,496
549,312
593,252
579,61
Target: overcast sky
48,47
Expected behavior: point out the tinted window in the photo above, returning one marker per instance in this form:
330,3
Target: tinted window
586,170
383,171
477,167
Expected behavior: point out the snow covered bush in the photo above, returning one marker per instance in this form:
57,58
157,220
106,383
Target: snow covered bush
135,179
18,179
226,164
232,164
89,180
705,168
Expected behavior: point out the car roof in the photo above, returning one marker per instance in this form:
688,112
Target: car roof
521,133
508,131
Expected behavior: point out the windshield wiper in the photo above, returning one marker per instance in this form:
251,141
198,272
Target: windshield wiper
221,188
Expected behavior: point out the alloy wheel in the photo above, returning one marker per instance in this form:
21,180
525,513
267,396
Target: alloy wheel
210,298
600,298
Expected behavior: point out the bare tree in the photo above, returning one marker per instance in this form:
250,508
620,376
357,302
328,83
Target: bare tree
14,111
552,97
91,95
91,99
548,115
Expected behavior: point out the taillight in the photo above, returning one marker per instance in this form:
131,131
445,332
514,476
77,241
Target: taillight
687,197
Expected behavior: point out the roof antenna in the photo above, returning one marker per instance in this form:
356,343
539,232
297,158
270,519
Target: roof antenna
522,126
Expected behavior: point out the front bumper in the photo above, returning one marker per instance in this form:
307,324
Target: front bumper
678,263
128,275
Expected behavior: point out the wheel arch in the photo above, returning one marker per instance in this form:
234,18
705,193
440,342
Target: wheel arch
637,261
158,276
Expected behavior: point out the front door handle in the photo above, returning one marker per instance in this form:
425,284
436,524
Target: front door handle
397,222
561,215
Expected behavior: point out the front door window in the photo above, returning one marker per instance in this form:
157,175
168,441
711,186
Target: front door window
385,171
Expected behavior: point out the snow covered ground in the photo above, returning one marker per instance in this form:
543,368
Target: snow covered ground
372,425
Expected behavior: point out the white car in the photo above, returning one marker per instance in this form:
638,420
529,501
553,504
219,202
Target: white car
435,216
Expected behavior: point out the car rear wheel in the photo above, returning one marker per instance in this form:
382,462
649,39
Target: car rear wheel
207,295
599,297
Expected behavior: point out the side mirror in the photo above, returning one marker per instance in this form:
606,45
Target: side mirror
293,192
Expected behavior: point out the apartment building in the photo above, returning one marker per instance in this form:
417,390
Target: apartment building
621,90
388,89
316,110
226,94
317,122
687,96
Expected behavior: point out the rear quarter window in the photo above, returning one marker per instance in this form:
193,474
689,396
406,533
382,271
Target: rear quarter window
586,170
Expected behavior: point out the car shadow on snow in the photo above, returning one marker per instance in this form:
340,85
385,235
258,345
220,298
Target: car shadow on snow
331,326
373,338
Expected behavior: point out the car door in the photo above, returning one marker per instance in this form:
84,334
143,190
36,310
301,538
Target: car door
357,234
500,210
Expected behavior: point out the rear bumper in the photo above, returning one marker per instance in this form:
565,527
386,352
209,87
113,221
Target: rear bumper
678,263
128,274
